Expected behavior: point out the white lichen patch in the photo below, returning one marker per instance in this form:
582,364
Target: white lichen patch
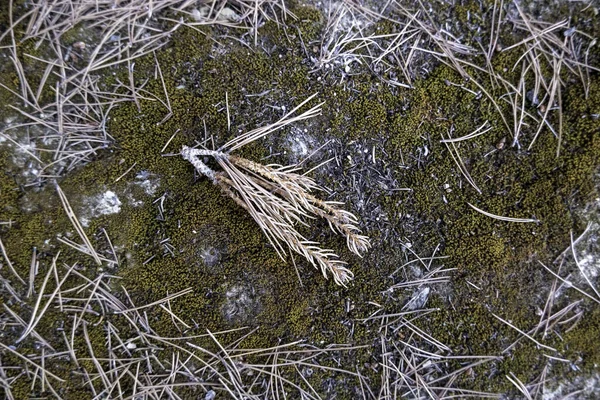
25,145
590,265
240,304
103,204
583,256
150,183
589,251
345,28
344,17
299,144
215,14
23,157
580,388
418,299
210,256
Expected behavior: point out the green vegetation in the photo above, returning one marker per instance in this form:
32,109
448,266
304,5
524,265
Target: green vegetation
195,237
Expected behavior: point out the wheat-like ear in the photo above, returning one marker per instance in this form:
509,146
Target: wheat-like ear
278,198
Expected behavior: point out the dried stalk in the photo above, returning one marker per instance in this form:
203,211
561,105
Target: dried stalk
278,198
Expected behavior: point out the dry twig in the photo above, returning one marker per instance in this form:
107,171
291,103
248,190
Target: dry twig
278,198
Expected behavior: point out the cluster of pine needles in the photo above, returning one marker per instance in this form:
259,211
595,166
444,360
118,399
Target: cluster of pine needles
279,198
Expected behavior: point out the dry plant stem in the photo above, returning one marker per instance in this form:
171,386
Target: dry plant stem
278,198
296,189
77,225
276,217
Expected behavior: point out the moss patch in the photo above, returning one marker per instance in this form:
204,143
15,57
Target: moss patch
186,233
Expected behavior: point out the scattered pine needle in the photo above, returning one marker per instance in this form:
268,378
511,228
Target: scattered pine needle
501,218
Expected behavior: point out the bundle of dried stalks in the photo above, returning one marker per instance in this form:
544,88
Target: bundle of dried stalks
278,198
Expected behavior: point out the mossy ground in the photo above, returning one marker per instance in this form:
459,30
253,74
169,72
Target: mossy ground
360,113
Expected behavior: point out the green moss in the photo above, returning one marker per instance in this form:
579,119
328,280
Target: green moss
166,246
9,194
491,254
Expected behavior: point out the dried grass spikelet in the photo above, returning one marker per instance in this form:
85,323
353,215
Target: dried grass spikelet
279,198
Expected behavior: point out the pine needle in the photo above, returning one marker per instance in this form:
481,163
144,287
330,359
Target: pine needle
279,198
